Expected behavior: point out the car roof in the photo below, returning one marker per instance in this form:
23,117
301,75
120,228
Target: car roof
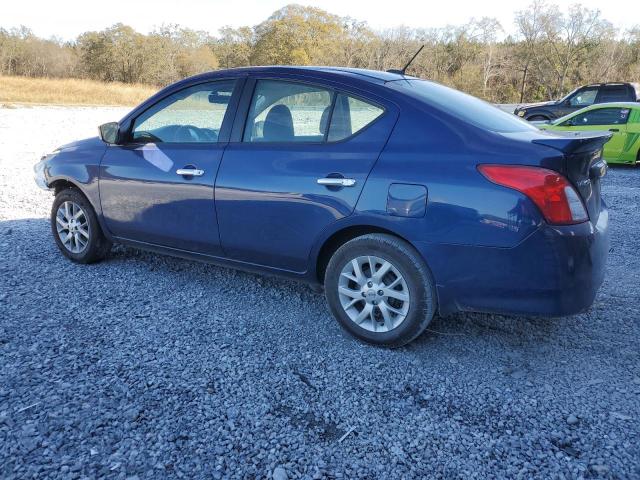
372,76
611,84
596,106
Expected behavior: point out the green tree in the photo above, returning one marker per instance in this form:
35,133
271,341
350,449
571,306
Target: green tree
297,35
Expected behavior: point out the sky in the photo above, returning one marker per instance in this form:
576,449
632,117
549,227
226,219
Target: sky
66,19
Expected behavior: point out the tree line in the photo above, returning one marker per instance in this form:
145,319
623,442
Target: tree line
550,52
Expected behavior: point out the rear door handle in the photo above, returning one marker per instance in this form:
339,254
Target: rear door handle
336,182
190,172
614,129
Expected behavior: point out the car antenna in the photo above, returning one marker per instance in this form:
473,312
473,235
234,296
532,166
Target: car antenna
402,72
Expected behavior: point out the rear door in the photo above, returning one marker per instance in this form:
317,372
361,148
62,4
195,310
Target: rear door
615,93
299,157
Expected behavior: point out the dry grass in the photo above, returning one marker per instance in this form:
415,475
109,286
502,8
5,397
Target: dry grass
70,91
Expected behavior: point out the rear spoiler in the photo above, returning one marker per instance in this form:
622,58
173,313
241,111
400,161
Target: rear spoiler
572,143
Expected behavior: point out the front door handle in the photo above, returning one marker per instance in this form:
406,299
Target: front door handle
190,172
614,129
336,182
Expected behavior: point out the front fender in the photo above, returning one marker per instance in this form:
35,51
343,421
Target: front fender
542,112
78,164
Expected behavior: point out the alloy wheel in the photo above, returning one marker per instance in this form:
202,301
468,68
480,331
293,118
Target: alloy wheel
373,293
72,226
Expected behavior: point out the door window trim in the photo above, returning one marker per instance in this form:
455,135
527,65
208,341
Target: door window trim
244,107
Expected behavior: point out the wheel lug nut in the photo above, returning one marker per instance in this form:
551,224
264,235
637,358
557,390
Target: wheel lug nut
364,294
375,303
369,284
380,292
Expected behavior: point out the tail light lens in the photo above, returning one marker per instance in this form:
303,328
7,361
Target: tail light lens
552,193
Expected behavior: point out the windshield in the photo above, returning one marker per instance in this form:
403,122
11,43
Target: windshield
463,106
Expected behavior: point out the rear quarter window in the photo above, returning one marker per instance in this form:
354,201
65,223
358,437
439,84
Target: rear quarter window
350,115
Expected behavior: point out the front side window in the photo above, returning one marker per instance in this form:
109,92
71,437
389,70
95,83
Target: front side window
192,115
600,116
584,98
287,112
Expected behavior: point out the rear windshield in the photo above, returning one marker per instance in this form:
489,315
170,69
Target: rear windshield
466,107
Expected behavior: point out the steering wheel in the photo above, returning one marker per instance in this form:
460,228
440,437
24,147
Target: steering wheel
147,137
190,130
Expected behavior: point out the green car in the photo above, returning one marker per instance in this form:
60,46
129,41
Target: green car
623,119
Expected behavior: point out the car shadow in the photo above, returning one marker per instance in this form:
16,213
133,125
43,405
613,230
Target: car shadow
33,237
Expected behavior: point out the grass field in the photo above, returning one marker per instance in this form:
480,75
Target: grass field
39,91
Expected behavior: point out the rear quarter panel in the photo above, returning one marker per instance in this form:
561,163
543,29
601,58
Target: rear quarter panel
468,220
462,206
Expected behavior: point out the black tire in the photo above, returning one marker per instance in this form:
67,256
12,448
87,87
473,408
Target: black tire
97,247
409,263
538,118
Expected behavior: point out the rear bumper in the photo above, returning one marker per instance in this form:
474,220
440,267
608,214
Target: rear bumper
556,271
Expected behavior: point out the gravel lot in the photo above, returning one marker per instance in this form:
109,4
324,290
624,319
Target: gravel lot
145,366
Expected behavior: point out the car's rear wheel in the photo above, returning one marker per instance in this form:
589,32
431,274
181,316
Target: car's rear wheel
75,228
380,290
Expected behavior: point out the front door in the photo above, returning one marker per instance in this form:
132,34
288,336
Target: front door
582,98
612,119
299,165
157,187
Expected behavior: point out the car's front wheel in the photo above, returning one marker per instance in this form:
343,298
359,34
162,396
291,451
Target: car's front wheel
380,290
75,228
538,118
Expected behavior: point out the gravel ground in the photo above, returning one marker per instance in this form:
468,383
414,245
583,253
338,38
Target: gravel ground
145,366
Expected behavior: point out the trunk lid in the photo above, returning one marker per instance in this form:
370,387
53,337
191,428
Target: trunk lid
583,163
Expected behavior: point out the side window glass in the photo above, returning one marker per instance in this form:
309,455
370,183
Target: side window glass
601,116
351,115
287,112
613,94
192,115
584,97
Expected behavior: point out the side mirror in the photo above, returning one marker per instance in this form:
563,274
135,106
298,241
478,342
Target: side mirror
109,132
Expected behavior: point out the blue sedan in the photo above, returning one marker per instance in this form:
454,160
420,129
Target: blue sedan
401,197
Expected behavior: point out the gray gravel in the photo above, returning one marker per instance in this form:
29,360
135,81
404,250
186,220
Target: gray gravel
145,366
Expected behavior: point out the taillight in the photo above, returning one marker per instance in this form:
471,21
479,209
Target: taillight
552,193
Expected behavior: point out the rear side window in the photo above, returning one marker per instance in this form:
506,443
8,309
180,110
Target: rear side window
463,106
600,116
615,93
350,115
284,111
287,112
